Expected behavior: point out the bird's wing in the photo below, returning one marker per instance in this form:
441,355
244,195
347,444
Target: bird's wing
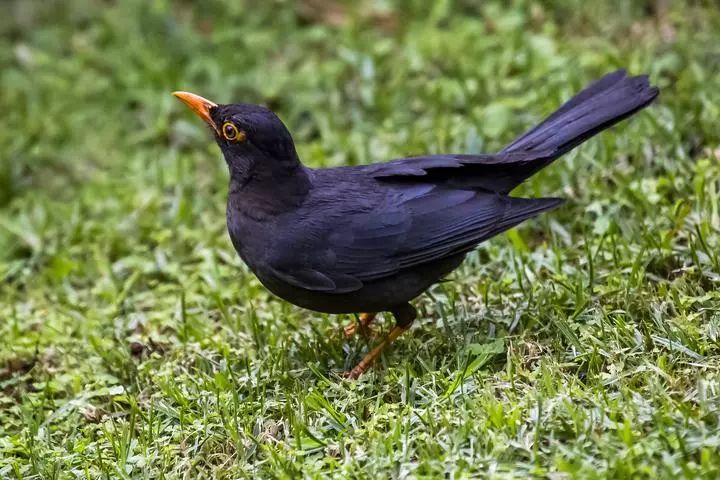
416,224
500,172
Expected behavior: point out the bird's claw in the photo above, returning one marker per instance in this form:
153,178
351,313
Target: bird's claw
354,329
361,326
353,374
350,330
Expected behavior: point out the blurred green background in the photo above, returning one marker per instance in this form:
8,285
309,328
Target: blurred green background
136,345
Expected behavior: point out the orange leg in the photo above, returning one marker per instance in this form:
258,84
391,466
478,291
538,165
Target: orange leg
365,320
365,363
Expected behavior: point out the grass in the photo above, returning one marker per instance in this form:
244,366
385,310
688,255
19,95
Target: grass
135,344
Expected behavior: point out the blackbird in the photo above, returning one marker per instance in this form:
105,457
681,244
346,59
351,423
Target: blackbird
371,238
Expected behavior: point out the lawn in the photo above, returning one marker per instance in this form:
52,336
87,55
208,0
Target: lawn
135,344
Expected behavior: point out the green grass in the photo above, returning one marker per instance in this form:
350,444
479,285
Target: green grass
135,344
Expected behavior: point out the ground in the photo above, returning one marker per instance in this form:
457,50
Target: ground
135,344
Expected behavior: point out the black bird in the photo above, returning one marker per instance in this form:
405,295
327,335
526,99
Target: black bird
371,238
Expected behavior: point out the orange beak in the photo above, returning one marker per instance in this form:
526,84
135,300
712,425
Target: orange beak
201,106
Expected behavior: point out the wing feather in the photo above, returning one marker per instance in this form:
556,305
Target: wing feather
429,225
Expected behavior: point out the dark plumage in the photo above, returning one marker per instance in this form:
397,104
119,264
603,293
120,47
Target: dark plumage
371,238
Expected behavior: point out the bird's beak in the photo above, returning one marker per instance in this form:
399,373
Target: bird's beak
201,106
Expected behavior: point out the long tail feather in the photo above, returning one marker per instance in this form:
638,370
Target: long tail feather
602,104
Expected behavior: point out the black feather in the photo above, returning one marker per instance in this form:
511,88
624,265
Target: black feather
596,108
371,238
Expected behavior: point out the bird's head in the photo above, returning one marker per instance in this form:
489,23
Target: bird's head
251,137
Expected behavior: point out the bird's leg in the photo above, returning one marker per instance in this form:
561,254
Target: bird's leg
404,316
363,323
365,363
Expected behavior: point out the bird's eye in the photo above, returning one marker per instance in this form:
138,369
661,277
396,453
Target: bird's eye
232,134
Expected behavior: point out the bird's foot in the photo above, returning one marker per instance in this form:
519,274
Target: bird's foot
362,325
365,363
354,329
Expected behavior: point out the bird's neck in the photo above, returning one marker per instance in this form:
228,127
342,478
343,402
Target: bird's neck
269,191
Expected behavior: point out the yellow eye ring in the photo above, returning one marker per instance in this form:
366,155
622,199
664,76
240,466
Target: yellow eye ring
232,134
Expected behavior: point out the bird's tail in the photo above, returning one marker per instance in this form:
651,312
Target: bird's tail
602,104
